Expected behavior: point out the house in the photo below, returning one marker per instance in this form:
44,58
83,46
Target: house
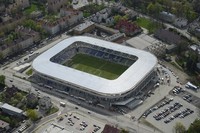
45,103
181,22
110,129
4,126
5,18
194,28
10,110
166,16
102,15
167,36
195,48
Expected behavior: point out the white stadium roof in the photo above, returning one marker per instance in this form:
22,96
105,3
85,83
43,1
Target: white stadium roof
124,83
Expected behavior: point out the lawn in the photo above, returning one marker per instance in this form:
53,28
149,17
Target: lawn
52,110
29,72
30,9
148,24
96,66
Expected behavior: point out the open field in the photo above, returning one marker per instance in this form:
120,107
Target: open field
96,66
150,25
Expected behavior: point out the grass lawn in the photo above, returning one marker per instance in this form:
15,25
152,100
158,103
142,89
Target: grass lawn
52,110
96,66
30,9
148,24
29,72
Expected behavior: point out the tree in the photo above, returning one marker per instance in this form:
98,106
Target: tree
2,79
124,131
179,128
32,114
168,5
154,9
178,9
194,127
196,5
18,96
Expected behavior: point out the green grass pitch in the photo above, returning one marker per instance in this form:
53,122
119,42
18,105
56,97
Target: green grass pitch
96,66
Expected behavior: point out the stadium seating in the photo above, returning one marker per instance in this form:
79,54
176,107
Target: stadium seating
99,52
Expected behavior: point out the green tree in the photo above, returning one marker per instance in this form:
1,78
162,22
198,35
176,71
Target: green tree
13,101
32,114
2,79
124,131
168,5
117,18
18,96
194,127
154,9
179,128
178,9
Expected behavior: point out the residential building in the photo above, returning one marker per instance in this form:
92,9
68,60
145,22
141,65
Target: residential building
23,3
23,31
68,18
45,103
84,27
18,4
166,16
4,126
181,22
194,28
25,38
55,5
11,110
195,48
168,36
102,15
5,18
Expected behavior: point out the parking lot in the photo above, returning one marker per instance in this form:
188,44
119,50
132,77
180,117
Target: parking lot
185,95
76,123
178,110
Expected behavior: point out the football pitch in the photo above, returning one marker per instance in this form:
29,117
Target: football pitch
96,66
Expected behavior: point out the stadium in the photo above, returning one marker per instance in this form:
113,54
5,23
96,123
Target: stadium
94,70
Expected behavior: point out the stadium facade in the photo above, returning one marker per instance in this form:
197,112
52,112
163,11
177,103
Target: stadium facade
51,73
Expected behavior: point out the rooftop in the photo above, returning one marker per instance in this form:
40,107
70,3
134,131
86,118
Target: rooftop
3,124
9,107
83,26
138,43
124,83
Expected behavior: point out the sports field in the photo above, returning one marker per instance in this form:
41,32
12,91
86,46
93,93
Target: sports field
96,66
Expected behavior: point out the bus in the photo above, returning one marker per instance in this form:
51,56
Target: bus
62,104
189,85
